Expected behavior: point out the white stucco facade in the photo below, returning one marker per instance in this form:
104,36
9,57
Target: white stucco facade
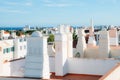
90,66
4,35
81,45
113,74
113,37
104,45
20,47
61,54
37,60
13,48
6,50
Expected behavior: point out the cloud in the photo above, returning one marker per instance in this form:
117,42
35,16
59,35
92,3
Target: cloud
114,1
28,4
47,1
14,7
7,10
108,1
18,3
51,3
61,3
57,5
11,3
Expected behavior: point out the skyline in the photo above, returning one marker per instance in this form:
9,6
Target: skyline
50,12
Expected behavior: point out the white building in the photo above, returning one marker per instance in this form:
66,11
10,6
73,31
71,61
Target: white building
13,48
20,47
4,35
113,36
6,50
27,27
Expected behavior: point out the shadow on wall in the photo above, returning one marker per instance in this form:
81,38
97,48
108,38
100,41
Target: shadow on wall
65,67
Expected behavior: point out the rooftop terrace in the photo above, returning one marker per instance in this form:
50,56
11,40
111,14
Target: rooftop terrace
53,77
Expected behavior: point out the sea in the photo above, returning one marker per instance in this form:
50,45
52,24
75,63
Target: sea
13,28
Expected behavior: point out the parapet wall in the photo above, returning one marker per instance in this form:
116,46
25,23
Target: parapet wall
75,66
90,66
93,52
86,66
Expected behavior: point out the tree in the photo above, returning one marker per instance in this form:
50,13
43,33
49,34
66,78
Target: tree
75,37
29,32
51,38
18,33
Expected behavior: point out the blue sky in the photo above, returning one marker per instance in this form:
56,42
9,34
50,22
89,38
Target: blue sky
54,12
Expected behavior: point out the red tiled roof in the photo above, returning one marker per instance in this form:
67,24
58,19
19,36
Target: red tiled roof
6,32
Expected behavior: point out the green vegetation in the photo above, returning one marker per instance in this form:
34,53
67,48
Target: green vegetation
75,37
29,32
19,32
44,32
51,38
77,55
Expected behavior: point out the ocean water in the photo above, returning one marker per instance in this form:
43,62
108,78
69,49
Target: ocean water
11,28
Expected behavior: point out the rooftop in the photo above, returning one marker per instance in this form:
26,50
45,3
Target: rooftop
53,77
76,77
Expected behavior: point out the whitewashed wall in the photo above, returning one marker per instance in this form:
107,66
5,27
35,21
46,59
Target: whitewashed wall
93,53
1,66
113,74
15,68
6,71
7,44
52,64
114,41
90,66
86,66
115,53
75,66
20,48
50,50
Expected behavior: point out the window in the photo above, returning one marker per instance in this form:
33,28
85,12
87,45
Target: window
0,49
119,37
7,50
12,48
24,47
20,40
20,47
4,51
24,39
